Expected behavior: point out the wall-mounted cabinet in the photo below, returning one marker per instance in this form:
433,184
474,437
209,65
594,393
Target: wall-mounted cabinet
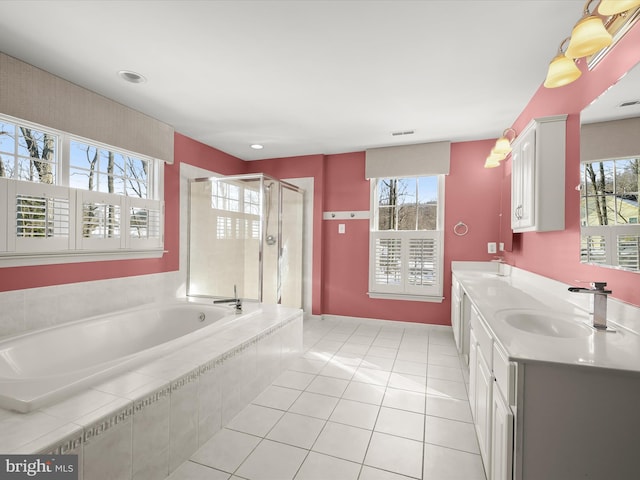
537,180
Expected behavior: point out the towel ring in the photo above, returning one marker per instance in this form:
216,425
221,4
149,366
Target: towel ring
461,229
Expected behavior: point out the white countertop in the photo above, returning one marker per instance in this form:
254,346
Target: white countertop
491,293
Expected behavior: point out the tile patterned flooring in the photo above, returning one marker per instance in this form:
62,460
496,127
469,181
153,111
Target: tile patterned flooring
366,401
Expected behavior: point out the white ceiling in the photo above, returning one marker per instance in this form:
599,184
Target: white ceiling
302,77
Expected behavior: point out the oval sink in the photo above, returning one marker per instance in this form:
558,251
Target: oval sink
548,324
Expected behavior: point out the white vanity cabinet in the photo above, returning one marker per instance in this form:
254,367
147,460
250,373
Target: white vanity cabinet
491,395
537,177
460,312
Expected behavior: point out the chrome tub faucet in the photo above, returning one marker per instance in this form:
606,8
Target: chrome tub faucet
236,301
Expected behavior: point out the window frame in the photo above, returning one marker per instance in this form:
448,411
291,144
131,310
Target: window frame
17,251
405,290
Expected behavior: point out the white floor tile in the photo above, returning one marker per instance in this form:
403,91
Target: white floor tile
360,349
255,420
272,461
447,464
374,377
297,430
307,365
443,360
445,373
410,355
361,339
323,467
370,473
404,381
401,423
451,433
446,388
277,397
377,363
293,379
346,358
380,351
444,350
337,370
314,405
450,408
226,450
195,471
404,400
364,392
343,441
395,454
334,387
412,368
387,342
356,414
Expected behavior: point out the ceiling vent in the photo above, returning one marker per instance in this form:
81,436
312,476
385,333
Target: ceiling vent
406,132
629,104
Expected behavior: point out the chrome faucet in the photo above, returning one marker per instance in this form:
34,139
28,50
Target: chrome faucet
599,303
236,301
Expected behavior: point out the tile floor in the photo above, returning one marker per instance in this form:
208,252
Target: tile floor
366,401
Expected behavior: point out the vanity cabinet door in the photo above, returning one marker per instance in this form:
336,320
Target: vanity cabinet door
501,437
473,371
484,409
456,314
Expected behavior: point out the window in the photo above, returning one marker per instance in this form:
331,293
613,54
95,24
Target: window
67,195
406,240
609,213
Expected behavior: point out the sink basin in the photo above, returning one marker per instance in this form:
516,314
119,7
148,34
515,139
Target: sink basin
548,324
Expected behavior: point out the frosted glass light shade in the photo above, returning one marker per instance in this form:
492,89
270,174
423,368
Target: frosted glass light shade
611,7
562,71
491,163
588,36
503,146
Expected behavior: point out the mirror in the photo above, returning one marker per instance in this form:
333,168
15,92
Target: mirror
610,177
506,234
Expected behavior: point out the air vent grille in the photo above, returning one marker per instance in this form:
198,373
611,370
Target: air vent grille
629,104
405,132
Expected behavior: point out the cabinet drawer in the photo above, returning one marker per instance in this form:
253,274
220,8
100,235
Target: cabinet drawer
485,341
504,372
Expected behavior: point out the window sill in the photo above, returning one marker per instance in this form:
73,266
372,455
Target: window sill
410,298
32,259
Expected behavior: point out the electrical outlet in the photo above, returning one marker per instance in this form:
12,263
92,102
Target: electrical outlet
341,228
491,247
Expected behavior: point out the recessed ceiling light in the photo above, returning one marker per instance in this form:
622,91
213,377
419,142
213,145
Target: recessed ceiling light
257,146
131,77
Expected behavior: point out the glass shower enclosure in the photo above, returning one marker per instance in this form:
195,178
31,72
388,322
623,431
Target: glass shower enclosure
246,231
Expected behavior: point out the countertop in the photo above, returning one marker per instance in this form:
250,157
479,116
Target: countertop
518,289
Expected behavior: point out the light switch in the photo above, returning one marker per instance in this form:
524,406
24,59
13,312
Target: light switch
341,228
491,247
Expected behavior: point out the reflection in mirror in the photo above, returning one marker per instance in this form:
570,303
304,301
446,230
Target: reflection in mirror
610,177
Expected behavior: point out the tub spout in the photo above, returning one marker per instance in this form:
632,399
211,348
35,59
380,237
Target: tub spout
236,301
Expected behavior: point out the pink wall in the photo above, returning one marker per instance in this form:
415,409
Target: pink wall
341,261
557,254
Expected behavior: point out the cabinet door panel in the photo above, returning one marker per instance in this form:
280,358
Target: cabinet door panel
501,438
473,371
484,410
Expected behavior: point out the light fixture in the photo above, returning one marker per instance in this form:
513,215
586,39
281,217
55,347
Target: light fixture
257,146
131,77
588,36
562,70
613,7
494,159
503,144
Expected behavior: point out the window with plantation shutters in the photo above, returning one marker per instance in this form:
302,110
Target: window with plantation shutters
406,254
66,199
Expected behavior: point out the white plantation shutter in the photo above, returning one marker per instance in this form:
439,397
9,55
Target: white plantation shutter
616,245
40,217
406,263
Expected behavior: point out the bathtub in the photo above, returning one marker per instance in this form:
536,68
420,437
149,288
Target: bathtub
45,366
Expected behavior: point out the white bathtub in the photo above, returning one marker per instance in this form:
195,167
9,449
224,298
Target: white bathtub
45,366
